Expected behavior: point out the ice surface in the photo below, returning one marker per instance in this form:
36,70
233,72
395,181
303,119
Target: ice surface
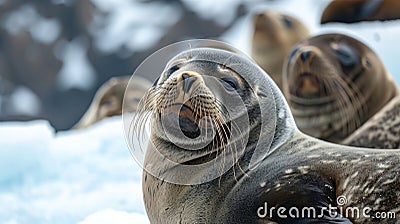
111,216
68,177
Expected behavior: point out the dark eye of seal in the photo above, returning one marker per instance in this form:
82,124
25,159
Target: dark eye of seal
345,54
288,23
229,83
172,70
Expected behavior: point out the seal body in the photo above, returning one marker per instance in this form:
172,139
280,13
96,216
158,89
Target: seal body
382,131
360,10
108,100
292,169
333,84
274,35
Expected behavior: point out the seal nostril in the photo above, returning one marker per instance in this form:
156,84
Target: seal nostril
185,76
188,81
304,55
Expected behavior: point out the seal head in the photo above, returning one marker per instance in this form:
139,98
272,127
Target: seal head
333,84
274,35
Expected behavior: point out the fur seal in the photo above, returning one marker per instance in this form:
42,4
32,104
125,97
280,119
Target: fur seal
274,35
382,131
333,84
360,10
292,170
108,100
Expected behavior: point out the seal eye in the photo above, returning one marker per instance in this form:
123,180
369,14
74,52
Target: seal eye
171,71
287,22
229,83
345,54
366,63
106,103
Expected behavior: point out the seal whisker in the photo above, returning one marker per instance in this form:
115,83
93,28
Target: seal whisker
352,106
345,107
234,128
363,109
139,121
341,102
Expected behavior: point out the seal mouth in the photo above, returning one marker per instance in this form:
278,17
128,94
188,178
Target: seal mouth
186,117
308,86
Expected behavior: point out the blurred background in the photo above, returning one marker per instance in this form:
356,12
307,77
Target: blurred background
54,54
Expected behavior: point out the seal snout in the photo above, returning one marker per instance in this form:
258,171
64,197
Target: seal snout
307,85
263,21
307,80
188,79
305,55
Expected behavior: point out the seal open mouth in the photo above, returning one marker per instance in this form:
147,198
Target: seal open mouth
187,122
185,116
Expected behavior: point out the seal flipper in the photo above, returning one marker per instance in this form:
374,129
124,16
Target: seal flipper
368,9
314,203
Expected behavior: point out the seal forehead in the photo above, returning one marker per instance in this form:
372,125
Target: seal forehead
241,65
326,39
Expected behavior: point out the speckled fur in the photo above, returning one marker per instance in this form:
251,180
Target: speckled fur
381,131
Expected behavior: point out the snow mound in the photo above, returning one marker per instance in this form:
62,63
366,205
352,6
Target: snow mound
69,176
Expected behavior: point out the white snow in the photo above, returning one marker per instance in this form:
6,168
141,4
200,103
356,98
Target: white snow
76,71
64,2
25,102
20,19
111,216
134,25
46,30
222,12
26,18
68,177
